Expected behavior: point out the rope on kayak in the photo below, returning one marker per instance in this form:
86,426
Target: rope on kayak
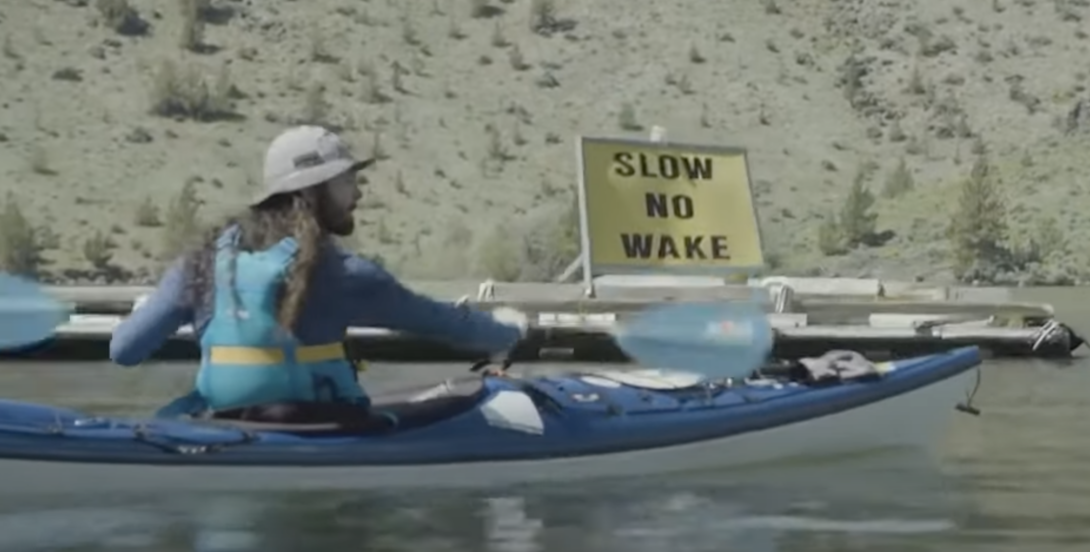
142,434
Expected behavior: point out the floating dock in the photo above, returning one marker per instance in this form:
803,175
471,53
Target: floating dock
810,315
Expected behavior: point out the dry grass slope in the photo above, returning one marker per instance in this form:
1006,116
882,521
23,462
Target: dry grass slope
110,107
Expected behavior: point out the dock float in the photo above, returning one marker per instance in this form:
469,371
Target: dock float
810,316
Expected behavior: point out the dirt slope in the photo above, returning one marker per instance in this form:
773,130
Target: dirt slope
475,107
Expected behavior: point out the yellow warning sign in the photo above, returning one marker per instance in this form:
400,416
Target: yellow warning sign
650,206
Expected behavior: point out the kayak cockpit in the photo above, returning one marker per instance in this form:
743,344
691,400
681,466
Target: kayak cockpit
399,410
605,389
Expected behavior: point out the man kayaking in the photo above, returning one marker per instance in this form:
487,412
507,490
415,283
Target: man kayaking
271,296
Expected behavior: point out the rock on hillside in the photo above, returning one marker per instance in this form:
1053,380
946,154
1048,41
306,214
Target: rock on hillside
110,107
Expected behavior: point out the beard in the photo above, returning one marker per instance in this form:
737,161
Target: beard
334,219
343,226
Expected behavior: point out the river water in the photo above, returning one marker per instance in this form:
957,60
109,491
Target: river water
1015,478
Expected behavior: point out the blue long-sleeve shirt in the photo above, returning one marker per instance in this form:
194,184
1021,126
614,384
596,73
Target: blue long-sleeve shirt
346,290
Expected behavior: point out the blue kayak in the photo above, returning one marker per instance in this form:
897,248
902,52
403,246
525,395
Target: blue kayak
500,430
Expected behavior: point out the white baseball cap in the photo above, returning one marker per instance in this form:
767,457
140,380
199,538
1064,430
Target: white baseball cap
305,156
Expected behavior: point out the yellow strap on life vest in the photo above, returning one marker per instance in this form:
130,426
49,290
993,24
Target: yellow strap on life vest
275,355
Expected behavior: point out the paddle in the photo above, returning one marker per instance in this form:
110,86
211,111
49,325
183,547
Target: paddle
718,340
28,315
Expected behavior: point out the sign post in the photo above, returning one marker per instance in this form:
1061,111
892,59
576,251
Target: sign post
649,206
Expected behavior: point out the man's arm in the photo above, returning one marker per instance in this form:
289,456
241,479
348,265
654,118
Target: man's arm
377,299
148,327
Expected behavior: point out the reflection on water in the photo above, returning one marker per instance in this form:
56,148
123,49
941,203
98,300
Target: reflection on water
756,511
1014,478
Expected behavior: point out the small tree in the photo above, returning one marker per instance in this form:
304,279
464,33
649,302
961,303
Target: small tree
1048,239
20,249
185,92
193,13
857,222
536,248
542,15
315,107
978,227
899,182
550,242
1046,242
120,16
182,221
854,224
99,250
147,214
830,238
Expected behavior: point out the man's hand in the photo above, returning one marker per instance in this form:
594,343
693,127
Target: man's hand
512,317
503,315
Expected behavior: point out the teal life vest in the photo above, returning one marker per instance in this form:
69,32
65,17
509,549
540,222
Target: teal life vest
247,357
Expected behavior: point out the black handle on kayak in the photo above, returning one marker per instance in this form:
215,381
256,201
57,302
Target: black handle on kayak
482,364
526,348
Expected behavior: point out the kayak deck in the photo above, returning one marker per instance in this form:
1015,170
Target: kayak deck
490,419
47,451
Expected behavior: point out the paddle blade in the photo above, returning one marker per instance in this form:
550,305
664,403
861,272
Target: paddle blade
28,314
719,340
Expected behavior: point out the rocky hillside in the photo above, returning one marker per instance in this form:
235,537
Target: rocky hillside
111,109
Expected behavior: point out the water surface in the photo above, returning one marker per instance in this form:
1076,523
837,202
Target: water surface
1015,479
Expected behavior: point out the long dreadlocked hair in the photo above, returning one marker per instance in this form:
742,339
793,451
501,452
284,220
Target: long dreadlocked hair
260,227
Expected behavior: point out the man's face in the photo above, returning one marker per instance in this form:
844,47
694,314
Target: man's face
339,199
